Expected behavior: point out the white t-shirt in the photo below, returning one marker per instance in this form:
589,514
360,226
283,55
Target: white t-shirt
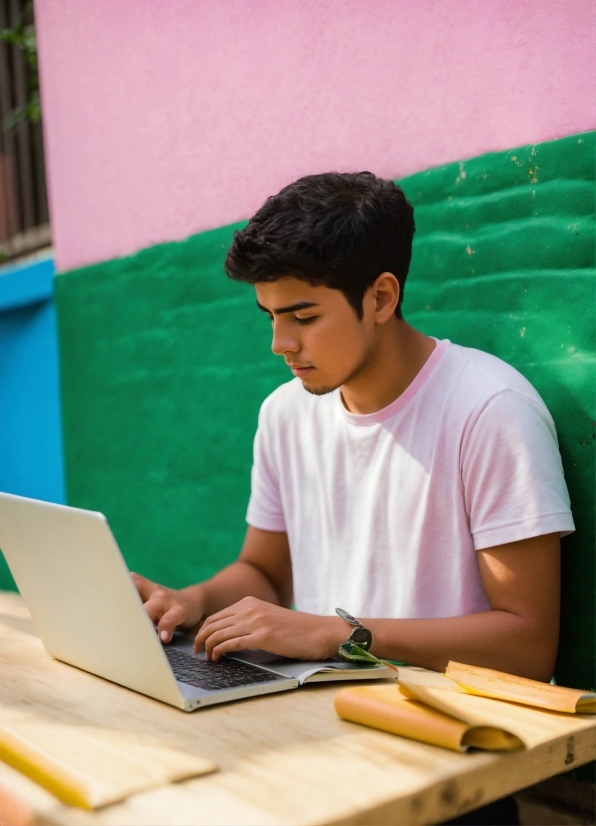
385,512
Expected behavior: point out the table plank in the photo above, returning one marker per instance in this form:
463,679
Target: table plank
284,759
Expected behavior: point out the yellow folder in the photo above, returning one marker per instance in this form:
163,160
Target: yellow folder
387,708
435,709
502,686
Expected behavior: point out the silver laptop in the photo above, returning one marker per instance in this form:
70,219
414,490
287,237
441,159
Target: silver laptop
88,613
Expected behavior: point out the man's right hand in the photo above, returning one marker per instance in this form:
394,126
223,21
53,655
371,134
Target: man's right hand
264,571
168,608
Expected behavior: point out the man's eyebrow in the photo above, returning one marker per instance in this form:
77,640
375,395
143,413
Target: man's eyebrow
292,308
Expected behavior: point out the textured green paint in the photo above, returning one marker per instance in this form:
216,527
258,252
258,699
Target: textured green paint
165,361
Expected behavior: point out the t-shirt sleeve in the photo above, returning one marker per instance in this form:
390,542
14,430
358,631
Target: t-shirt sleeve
265,507
512,474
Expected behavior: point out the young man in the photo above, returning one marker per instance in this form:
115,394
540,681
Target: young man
412,482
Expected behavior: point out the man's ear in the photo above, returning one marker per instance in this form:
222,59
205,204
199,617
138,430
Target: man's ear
386,292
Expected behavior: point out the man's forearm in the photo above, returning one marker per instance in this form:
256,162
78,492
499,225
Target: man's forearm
519,634
238,580
493,639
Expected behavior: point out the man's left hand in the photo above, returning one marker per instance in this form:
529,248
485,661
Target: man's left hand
253,623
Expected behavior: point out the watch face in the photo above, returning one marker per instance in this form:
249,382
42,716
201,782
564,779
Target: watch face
347,617
362,637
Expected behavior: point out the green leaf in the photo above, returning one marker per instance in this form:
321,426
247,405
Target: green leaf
353,653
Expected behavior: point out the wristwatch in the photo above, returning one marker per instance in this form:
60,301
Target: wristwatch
360,636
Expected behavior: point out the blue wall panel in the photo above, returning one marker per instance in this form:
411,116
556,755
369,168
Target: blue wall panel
31,461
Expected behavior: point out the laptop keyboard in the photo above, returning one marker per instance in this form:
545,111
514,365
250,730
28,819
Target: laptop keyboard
213,676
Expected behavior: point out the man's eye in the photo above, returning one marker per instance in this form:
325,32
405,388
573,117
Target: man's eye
303,321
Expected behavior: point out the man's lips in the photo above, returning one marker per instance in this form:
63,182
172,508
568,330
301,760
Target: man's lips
300,369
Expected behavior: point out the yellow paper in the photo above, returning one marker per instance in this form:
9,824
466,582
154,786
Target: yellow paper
501,686
386,708
531,726
87,766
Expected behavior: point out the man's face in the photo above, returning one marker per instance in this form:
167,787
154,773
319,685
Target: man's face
317,332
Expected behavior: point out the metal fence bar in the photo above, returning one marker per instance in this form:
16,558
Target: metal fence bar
9,206
23,195
23,132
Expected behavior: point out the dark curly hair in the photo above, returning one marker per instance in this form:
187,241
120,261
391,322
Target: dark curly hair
337,229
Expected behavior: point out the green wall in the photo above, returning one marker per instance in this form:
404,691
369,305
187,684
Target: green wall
165,361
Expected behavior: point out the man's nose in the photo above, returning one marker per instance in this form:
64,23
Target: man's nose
283,343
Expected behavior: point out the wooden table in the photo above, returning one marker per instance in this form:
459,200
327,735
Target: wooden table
284,759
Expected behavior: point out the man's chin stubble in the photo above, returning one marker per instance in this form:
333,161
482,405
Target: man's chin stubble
319,391
323,391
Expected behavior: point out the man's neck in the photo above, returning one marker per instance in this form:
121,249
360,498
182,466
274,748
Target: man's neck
397,356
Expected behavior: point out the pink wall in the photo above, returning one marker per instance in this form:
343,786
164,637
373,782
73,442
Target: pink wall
164,118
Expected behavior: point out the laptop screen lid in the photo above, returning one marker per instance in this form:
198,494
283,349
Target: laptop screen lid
65,562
